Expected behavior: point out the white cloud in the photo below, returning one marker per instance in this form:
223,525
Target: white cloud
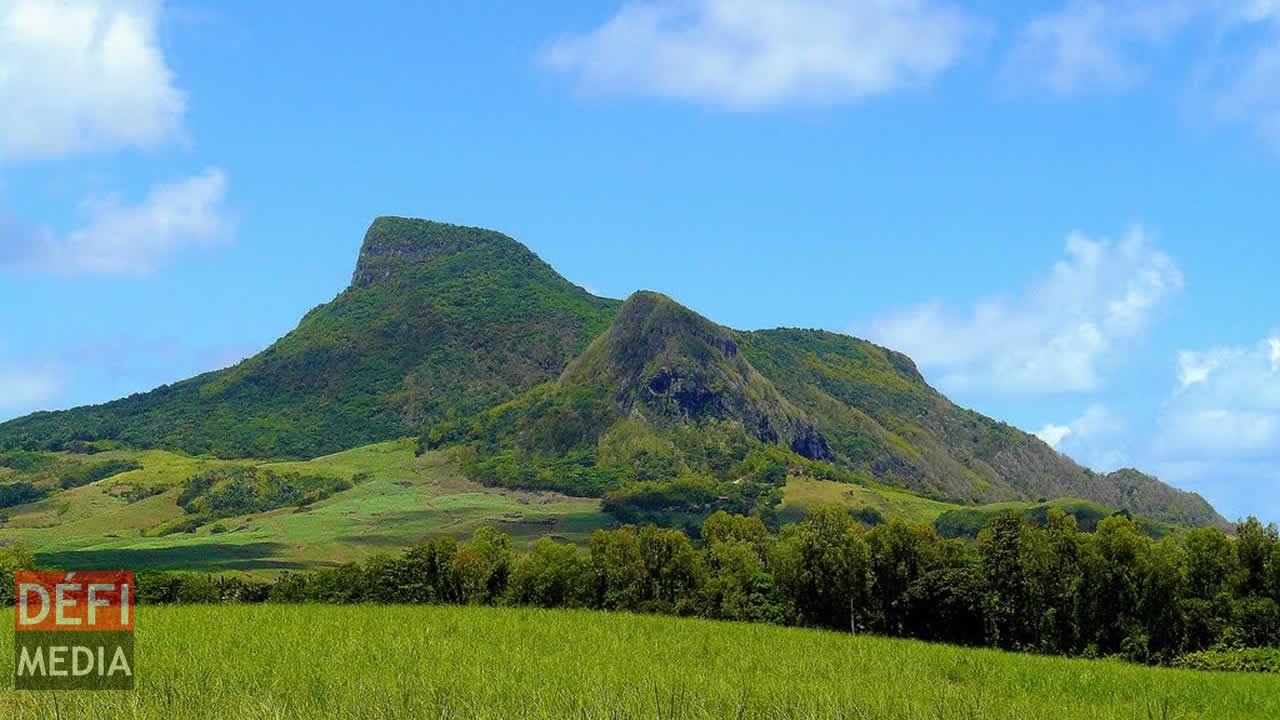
749,54
1053,435
1244,88
25,388
1228,405
1057,336
82,75
1091,46
1097,439
1195,368
123,238
1235,434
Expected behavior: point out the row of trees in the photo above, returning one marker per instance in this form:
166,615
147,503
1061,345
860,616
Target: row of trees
1044,588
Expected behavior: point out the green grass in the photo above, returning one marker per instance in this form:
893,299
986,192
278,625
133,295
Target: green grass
447,662
951,519
803,493
404,500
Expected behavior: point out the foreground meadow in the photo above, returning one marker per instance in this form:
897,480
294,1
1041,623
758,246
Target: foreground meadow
447,662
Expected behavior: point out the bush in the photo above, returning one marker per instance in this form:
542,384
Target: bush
86,474
1233,659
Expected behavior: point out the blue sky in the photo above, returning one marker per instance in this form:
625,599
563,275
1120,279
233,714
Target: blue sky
1066,212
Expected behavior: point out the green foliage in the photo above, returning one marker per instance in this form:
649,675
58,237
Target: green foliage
25,461
1262,659
85,474
13,557
240,490
19,493
967,522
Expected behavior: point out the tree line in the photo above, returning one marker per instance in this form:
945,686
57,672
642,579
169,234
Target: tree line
1046,588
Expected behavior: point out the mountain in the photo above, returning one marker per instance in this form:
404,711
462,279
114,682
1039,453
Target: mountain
467,336
438,320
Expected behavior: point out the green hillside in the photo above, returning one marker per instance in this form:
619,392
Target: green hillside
364,661
391,500
439,320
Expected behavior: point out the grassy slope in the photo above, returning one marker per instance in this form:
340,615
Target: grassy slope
405,500
951,519
447,662
803,493
442,319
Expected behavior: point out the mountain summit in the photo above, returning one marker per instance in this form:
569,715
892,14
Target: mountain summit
668,364
394,246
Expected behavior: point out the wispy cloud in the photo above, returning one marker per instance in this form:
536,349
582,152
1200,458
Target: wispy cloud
122,238
1232,69
82,75
751,54
1059,335
1089,46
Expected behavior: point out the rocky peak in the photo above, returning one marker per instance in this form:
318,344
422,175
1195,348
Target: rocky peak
394,243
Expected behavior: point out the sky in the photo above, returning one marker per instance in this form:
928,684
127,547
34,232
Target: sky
1066,212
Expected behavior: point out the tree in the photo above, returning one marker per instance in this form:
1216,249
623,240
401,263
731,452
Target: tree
1254,545
946,605
552,575
1113,564
483,566
1001,547
822,565
899,555
738,585
13,557
618,566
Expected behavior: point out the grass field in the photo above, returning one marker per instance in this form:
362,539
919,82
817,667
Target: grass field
803,493
448,662
405,500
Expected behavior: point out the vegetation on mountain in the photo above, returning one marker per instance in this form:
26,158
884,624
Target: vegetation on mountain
241,490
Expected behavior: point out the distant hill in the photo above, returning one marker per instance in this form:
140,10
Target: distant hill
467,336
